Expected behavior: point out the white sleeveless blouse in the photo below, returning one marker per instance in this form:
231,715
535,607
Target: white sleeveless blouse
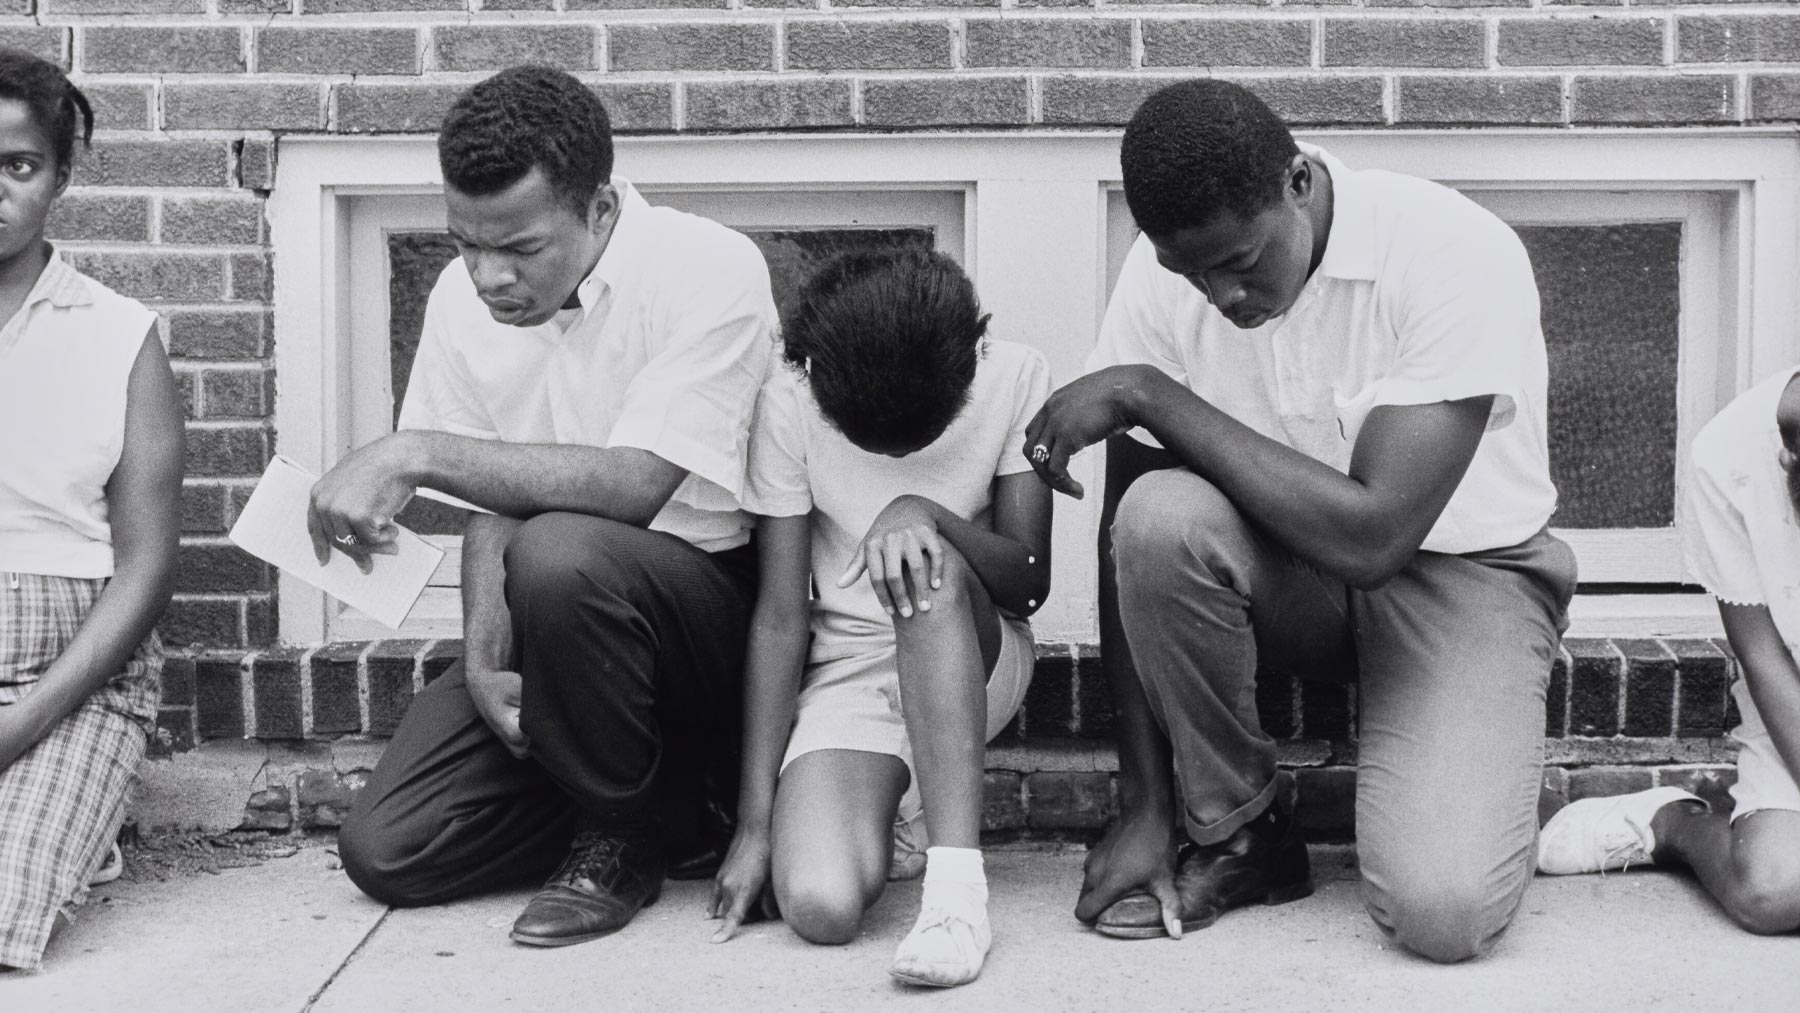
65,362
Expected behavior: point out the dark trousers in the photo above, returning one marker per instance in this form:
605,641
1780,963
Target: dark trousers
630,645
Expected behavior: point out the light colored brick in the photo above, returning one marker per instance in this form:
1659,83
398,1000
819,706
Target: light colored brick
1651,99
143,49
1458,4
846,44
1218,42
180,277
638,106
242,106
392,108
115,162
211,221
1750,38
493,47
1479,100
118,106
768,105
1775,98
714,45
1575,42
217,333
1047,42
256,164
42,41
237,393
1301,101
308,50
1398,42
632,5
945,102
249,277
97,216
373,6
915,3
59,8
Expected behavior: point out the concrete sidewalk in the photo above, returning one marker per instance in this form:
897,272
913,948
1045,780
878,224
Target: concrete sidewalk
291,935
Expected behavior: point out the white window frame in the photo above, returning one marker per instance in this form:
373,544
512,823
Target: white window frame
373,219
1035,238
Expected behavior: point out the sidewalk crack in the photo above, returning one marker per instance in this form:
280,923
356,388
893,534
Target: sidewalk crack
313,1000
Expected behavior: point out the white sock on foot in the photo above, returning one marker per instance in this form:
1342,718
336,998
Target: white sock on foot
950,941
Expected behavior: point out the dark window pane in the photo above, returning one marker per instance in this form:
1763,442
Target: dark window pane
1611,312
416,258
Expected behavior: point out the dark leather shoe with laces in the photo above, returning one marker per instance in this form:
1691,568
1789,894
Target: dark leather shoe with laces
1263,862
602,885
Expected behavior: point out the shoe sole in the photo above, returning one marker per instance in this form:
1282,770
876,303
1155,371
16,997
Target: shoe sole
1284,895
548,942
908,979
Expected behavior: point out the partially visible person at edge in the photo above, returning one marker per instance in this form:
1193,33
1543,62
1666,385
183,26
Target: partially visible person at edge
886,472
1343,376
587,373
90,504
1743,543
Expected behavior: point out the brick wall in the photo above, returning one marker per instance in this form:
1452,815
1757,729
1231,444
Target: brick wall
1622,715
193,95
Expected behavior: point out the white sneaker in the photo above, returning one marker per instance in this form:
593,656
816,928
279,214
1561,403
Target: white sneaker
908,858
1602,834
109,870
944,948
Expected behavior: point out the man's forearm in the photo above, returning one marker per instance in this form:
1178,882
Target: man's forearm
487,622
1334,521
624,484
1016,578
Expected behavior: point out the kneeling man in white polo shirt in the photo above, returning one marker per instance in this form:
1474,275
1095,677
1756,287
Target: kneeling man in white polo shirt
587,371
1343,379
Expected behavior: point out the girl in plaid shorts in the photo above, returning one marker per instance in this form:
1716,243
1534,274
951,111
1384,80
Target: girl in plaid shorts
90,492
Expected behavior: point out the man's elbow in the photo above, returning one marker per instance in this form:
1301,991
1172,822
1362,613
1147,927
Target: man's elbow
1373,565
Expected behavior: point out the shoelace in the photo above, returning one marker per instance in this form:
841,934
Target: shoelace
594,857
1631,849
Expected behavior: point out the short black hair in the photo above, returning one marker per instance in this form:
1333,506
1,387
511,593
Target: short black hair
1198,149
523,118
889,341
59,108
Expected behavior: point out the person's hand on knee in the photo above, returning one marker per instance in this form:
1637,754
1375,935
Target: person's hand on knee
496,695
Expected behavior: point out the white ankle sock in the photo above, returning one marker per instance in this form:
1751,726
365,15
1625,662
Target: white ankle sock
955,879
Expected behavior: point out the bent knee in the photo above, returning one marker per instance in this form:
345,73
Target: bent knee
829,913
1167,515
1446,922
1770,902
377,865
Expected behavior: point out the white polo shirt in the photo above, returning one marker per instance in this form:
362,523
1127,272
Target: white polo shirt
801,464
1422,296
667,353
65,368
1743,543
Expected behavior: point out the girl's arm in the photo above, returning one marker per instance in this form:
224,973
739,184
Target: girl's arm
144,506
773,662
1770,670
1012,561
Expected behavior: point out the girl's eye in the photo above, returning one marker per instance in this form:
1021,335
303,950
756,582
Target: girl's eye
21,167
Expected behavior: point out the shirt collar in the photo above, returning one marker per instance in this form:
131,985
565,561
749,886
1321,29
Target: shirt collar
1350,249
60,285
628,235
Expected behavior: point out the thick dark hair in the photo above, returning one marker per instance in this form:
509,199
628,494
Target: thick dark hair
889,341
526,117
1198,149
59,108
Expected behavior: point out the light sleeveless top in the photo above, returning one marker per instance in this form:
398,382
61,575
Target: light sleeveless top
65,362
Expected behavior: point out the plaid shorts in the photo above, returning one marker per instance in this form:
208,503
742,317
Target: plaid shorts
61,802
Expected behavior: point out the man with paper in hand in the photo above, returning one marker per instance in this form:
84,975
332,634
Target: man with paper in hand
587,372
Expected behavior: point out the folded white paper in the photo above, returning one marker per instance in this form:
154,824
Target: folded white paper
272,528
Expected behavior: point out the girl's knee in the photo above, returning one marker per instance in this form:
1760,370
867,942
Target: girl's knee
821,909
1769,903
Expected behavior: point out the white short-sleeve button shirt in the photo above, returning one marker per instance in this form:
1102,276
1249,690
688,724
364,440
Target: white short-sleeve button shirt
1743,542
667,353
801,464
1422,296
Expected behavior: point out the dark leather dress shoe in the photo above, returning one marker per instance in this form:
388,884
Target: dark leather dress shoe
1263,862
602,885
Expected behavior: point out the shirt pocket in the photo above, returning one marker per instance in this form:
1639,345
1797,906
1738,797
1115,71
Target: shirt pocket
1352,409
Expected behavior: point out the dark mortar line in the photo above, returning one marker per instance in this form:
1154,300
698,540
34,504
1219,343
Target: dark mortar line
313,1000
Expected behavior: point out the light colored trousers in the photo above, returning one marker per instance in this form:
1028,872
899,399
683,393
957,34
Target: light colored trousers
1452,657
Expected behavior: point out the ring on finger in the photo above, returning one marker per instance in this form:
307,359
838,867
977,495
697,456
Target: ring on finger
1040,453
345,539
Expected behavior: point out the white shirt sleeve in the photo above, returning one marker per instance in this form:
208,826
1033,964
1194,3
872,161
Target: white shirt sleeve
1031,388
1717,542
776,482
692,404
1466,311
440,394
1137,328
